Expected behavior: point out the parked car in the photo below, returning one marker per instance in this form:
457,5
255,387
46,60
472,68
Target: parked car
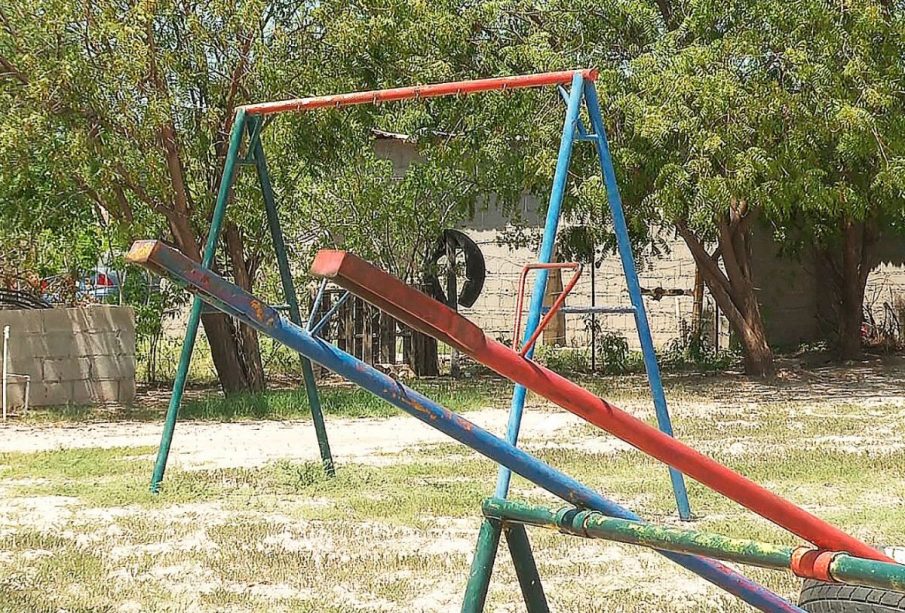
99,285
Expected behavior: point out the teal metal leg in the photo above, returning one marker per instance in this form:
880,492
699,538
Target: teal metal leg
526,568
634,289
504,475
482,566
191,332
276,233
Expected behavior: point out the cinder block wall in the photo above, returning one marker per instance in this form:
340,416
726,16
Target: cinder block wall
83,355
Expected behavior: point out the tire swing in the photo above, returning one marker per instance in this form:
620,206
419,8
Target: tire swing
475,270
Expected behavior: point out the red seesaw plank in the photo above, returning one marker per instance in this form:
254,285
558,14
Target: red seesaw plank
427,315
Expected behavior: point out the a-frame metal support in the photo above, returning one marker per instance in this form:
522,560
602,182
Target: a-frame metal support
276,234
573,130
254,155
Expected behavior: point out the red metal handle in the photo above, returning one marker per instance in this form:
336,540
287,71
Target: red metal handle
557,304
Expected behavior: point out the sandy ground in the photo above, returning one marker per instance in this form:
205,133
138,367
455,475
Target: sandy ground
206,445
202,445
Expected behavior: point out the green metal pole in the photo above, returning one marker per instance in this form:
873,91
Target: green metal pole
481,567
592,524
843,568
191,331
279,246
526,568
849,569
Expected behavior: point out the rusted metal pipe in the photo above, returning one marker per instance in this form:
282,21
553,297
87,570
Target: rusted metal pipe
520,304
803,561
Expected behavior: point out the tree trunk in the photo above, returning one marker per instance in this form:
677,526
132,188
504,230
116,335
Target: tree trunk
423,359
248,347
734,290
227,350
849,268
221,336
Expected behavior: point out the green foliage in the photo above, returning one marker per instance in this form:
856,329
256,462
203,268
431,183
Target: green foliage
335,400
613,353
848,135
691,352
613,357
795,109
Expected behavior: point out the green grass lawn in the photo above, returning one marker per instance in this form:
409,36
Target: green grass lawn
80,532
280,404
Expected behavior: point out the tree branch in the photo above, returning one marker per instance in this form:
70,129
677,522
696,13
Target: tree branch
667,12
12,71
734,270
182,200
134,187
700,255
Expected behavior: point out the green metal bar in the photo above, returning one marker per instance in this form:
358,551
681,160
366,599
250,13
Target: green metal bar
482,566
592,524
849,569
525,568
844,568
279,246
191,331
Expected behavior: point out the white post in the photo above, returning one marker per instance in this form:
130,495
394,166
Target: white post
5,365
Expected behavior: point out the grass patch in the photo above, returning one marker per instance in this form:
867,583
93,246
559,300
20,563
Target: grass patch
352,402
398,535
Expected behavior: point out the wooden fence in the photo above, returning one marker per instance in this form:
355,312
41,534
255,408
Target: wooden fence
376,338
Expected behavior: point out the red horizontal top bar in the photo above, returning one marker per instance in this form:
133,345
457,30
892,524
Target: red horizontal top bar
418,91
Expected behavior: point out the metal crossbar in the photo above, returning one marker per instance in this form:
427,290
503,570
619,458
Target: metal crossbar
805,562
579,310
418,92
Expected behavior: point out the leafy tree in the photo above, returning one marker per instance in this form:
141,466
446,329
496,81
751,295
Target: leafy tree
843,188
703,117
721,115
138,99
127,105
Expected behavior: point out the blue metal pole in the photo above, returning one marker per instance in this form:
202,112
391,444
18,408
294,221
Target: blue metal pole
634,288
485,551
545,255
316,328
238,303
191,328
317,304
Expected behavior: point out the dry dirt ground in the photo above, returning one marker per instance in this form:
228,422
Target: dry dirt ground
246,522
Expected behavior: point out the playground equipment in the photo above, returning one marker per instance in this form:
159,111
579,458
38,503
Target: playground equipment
248,125
831,561
859,563
837,556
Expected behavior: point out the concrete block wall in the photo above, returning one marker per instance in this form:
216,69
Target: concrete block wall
82,355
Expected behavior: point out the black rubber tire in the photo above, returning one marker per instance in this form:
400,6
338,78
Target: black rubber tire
819,597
